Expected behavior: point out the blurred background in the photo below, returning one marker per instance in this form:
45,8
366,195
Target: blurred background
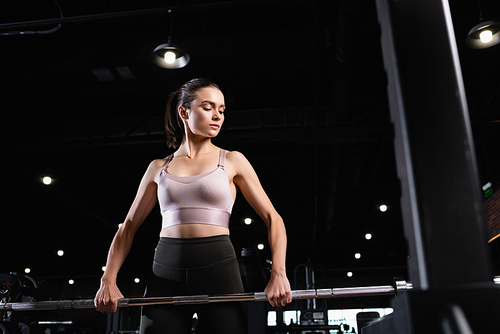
305,88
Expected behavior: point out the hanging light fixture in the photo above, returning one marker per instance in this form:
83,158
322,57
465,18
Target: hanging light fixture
485,34
169,55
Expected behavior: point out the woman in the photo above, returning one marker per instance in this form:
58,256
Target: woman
196,187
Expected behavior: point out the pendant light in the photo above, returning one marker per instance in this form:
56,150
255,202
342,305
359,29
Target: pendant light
169,55
485,34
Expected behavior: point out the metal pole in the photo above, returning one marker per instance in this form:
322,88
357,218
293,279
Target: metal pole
399,285
442,211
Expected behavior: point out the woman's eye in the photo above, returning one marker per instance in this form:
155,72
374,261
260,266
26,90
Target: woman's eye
206,109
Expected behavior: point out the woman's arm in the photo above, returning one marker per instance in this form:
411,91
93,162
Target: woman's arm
278,288
145,200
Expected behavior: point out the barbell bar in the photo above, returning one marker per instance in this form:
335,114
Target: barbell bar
399,285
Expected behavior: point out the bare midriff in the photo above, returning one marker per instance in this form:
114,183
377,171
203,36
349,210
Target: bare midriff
193,231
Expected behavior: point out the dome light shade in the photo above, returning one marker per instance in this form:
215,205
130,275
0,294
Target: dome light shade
176,57
484,35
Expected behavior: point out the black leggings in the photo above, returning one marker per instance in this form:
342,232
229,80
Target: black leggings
198,266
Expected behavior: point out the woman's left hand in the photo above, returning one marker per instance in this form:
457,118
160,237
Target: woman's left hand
278,289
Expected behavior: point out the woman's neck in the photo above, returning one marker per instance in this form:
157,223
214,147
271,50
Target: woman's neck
192,148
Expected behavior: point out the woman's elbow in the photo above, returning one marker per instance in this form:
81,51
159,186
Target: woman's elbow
126,230
275,220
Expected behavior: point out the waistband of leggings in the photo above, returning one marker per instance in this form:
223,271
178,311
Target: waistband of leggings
215,238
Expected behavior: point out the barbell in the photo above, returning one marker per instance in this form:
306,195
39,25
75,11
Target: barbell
399,285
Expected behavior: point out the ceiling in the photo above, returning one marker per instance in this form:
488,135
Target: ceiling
306,93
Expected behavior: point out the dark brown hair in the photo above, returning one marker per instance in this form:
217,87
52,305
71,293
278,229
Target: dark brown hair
174,127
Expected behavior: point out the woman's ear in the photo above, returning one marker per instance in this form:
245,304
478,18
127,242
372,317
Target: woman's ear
182,112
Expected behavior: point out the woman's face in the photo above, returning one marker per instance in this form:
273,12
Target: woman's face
206,114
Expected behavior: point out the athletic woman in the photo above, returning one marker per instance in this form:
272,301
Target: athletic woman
196,187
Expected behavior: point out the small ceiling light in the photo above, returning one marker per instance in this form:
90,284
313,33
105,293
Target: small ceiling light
103,268
169,55
383,208
357,256
27,270
349,274
248,221
484,35
46,180
71,282
60,252
137,280
368,236
260,246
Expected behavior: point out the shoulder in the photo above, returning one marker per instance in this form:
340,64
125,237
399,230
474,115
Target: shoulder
155,167
158,163
236,158
238,163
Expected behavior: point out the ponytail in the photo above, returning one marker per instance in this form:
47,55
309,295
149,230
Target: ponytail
174,127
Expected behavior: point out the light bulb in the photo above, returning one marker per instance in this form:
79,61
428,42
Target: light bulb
383,208
46,180
368,236
169,57
248,221
260,246
486,36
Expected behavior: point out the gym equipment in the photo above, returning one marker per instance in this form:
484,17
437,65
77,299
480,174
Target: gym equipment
398,286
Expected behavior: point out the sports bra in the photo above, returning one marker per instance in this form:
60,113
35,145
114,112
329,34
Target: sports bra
199,199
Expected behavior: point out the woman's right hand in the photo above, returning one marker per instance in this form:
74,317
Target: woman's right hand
105,300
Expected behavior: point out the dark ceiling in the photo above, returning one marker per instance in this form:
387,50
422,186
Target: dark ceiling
306,93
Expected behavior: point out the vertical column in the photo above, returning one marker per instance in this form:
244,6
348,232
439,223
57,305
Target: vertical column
442,210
